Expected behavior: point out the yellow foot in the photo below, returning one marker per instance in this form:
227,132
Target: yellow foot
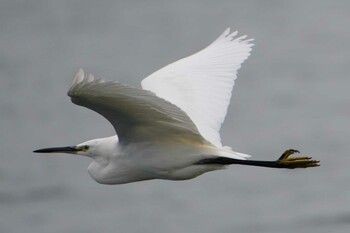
296,162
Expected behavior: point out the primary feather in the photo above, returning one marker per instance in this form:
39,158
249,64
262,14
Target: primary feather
201,84
136,114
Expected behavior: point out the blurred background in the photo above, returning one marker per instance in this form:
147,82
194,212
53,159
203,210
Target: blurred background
293,92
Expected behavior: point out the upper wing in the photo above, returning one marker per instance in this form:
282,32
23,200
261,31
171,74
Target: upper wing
201,84
136,114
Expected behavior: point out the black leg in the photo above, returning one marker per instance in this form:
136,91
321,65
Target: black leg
284,161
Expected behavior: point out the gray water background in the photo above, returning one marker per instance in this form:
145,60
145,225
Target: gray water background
293,92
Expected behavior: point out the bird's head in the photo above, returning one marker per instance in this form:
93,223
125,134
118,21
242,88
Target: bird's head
94,148
100,150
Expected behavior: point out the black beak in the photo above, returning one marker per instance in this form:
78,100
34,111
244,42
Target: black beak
66,149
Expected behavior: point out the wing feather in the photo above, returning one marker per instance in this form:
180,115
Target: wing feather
136,114
201,84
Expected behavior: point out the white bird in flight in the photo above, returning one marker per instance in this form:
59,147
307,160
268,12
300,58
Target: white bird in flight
169,129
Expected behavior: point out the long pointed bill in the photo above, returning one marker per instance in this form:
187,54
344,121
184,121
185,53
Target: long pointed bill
66,149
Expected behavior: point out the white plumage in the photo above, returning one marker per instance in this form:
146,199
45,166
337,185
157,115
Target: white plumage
201,84
170,129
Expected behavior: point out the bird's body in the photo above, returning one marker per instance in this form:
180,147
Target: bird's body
170,128
147,160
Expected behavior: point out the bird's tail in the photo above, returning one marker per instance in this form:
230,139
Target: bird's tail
227,152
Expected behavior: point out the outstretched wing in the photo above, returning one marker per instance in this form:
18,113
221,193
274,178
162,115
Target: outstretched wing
136,114
201,84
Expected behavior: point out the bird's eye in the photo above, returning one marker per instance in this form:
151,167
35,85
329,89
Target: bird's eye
85,148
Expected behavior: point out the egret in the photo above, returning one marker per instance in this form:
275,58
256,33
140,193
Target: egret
169,129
